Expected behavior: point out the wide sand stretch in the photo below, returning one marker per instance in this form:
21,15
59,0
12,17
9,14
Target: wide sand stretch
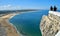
10,30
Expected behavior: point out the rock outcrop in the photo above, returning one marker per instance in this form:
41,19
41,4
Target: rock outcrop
50,25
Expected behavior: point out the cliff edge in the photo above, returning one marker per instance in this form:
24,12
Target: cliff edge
50,24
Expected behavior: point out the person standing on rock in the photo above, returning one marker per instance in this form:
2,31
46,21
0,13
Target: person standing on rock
51,8
55,8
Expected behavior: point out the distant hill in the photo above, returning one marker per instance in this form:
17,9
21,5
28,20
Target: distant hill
13,11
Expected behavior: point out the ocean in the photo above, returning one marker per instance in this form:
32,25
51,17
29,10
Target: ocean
28,24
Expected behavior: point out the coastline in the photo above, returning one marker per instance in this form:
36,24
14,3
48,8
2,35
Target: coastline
6,20
12,24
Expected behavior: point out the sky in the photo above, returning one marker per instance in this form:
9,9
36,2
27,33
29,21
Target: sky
28,4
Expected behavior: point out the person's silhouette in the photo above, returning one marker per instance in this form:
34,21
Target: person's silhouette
51,8
55,8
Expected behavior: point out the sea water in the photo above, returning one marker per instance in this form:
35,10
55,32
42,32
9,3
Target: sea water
28,24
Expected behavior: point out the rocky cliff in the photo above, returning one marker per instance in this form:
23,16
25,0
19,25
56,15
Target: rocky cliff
50,25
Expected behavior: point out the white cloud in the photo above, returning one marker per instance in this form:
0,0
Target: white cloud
9,7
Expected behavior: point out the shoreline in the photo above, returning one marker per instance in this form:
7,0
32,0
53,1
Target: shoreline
12,24
6,19
14,14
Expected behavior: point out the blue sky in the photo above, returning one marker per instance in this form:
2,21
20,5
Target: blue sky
28,4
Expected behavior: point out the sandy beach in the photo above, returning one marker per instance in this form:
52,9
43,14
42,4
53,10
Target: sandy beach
10,29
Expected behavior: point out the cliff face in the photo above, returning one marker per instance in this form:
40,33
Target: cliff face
50,25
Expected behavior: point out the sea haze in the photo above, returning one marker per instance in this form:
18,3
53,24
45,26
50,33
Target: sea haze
28,23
